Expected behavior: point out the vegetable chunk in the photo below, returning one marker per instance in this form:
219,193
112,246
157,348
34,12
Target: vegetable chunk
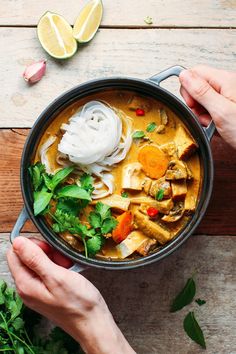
154,161
123,228
185,143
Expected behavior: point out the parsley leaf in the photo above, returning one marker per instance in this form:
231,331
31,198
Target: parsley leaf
86,182
36,171
94,245
95,219
193,329
108,225
138,134
160,194
103,210
185,297
151,127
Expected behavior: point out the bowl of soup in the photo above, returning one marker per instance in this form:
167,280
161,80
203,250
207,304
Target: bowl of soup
117,172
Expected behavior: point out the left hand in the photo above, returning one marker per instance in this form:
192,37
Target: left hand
65,297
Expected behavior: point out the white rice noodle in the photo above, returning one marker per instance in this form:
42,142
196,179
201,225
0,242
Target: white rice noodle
96,138
43,153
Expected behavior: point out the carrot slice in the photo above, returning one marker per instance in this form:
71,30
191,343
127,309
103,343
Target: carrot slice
124,227
153,160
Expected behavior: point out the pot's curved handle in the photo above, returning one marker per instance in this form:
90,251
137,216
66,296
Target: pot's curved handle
22,218
175,71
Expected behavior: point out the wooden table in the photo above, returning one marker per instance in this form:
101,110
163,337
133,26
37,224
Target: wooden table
183,32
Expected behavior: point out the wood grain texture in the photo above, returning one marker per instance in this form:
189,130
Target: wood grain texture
220,217
140,299
172,13
137,53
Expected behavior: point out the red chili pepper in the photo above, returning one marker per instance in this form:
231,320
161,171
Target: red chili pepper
140,112
152,212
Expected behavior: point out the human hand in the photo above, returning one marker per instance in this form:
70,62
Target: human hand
211,94
65,297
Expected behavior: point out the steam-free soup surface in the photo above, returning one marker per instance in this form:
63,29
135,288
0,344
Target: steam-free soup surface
155,187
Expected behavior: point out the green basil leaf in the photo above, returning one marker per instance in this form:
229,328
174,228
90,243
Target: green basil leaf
185,297
160,194
47,181
124,195
60,176
73,191
151,127
138,134
200,302
193,329
41,201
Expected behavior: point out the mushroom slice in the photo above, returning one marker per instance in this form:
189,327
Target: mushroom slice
131,176
161,183
147,185
164,117
140,102
160,129
163,206
115,201
146,247
176,170
150,228
170,149
175,214
185,143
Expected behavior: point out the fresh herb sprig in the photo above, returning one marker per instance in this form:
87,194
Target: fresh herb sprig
17,334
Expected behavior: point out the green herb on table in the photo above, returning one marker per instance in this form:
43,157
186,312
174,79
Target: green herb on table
160,194
148,20
200,302
139,134
124,195
17,329
193,329
151,127
185,297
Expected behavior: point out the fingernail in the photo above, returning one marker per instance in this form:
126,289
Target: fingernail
18,243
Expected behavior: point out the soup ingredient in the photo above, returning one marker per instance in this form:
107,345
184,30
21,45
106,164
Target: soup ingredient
95,139
55,36
34,72
41,200
161,129
150,228
160,184
36,173
154,161
117,202
179,189
88,21
193,329
124,226
148,20
132,242
152,212
73,191
163,206
160,194
43,153
186,146
151,127
176,170
200,302
185,297
146,247
138,134
131,176
140,112
164,117
18,333
124,195
175,214
140,102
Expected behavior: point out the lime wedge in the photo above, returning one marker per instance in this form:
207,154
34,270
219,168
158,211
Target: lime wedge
55,36
88,21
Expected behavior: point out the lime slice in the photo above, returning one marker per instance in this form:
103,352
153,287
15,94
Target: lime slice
88,21
55,36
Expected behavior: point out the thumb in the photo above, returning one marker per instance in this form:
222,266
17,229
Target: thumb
33,257
202,92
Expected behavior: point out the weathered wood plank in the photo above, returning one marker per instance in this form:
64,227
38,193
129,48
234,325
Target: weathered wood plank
220,217
138,53
171,13
151,328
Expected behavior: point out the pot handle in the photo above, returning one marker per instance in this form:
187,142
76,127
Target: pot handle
175,71
22,218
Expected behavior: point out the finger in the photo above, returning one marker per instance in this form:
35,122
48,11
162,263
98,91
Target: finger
186,96
28,284
35,259
43,245
203,93
215,77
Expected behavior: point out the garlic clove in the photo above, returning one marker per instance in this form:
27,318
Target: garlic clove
35,72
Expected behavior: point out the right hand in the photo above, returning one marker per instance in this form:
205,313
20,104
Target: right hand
211,94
